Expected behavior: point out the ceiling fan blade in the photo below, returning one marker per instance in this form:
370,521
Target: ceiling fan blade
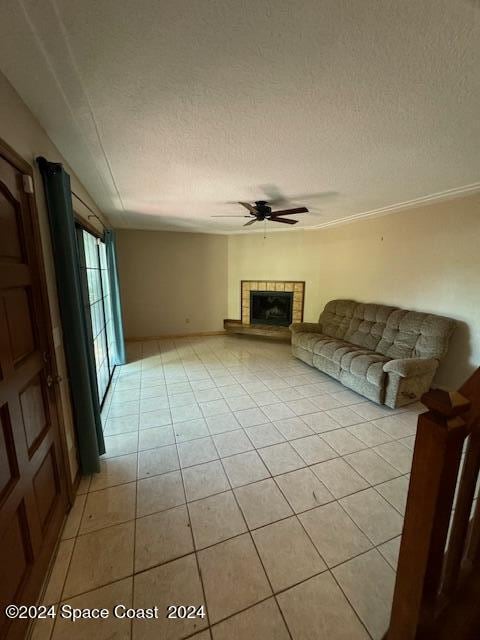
250,222
286,212
234,216
249,206
284,220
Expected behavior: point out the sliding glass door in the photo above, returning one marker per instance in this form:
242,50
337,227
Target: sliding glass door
98,310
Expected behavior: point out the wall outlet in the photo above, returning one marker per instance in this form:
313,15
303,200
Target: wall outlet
187,320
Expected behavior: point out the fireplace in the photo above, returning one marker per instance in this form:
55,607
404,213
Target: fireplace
271,307
276,288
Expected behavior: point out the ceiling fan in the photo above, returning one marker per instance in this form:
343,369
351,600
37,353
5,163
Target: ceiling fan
261,210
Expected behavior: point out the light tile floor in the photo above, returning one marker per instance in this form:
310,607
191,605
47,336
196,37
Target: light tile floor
238,478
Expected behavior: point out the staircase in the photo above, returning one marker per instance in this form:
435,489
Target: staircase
437,590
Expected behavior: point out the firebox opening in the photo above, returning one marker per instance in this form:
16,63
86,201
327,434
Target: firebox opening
271,307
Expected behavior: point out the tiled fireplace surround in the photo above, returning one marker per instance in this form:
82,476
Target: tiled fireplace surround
297,287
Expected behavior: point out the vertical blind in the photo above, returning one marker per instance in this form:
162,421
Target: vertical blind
98,307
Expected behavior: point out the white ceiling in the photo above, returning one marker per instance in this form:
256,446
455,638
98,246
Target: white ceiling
168,109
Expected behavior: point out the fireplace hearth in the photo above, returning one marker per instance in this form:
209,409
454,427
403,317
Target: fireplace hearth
271,307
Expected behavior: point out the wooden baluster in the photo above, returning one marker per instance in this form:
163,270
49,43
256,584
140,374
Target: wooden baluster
471,390
438,447
473,549
461,518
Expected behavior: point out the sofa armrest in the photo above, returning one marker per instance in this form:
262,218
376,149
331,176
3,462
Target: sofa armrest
311,327
407,367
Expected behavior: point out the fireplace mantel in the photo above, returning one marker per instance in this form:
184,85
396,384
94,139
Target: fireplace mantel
297,287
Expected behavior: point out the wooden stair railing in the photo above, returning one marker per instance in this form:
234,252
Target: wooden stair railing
437,589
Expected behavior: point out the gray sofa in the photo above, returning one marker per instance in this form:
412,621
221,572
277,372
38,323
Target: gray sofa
388,355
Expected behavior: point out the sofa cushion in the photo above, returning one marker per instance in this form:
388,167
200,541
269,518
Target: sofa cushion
411,334
361,385
332,349
306,340
357,361
368,324
335,318
367,365
393,332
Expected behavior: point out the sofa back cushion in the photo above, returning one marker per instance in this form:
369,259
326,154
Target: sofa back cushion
411,334
393,332
335,318
361,324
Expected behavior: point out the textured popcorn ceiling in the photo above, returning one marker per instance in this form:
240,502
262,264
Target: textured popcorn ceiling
168,109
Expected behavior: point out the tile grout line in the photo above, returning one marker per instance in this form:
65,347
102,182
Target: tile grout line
197,563
279,591
331,573
256,549
351,606
306,466
67,572
135,531
274,423
328,568
321,434
75,539
253,482
370,485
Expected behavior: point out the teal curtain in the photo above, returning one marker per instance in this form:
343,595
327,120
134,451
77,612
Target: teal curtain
111,249
81,367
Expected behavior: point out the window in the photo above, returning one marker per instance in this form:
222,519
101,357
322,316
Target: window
98,310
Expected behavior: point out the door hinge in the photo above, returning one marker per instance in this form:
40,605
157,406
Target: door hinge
27,183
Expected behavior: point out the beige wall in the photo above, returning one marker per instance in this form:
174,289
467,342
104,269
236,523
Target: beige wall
20,130
172,283
427,258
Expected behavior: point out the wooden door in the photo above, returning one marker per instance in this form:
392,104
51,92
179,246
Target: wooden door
32,473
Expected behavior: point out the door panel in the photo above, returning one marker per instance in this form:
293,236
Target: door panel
18,316
32,475
8,460
15,555
10,245
45,485
34,405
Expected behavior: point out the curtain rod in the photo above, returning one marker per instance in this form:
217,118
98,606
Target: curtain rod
92,213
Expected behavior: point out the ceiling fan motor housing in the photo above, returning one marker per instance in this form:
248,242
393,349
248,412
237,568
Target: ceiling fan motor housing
263,209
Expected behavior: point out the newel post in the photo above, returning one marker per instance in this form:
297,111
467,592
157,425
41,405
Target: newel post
438,446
